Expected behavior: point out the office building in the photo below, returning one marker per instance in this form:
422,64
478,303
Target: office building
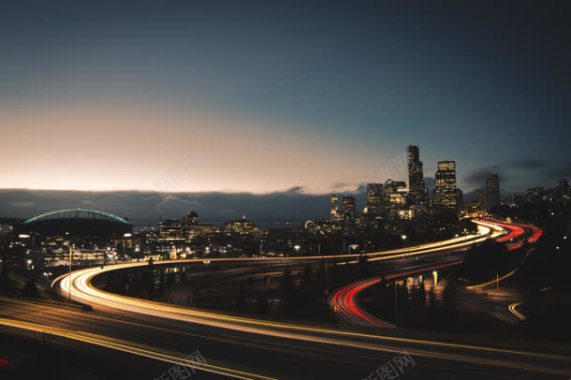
395,199
416,186
374,199
493,197
334,213
446,194
349,207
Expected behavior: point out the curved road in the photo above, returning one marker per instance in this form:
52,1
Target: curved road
241,347
345,301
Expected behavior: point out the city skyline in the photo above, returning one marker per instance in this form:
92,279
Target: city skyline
120,97
395,197
316,189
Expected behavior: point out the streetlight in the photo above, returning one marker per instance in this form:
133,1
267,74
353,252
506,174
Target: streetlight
403,238
297,248
435,277
70,267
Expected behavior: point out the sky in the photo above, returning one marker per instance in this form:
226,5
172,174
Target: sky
269,97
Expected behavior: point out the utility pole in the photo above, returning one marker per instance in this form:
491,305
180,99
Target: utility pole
70,268
396,304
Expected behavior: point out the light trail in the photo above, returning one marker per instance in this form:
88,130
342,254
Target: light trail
343,338
517,232
83,291
131,348
492,282
513,309
345,300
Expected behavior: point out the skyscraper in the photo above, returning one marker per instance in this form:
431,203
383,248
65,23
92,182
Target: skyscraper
445,193
349,207
333,211
493,197
374,199
417,193
395,198
416,186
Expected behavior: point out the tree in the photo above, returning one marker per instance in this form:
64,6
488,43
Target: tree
287,292
486,261
30,289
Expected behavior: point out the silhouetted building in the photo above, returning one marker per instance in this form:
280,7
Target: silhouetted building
564,191
493,197
535,194
374,199
518,199
191,219
416,185
349,207
446,194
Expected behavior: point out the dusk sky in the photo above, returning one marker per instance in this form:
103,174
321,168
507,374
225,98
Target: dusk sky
312,97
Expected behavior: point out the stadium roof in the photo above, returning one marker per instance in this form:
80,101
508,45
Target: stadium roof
77,213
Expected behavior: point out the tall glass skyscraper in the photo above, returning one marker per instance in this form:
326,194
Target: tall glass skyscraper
445,193
416,185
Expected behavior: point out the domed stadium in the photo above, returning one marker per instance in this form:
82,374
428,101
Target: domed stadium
78,222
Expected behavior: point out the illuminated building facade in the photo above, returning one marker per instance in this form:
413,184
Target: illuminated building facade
446,194
395,199
375,199
334,213
242,226
349,207
172,230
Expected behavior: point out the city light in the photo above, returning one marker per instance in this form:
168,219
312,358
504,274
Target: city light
264,190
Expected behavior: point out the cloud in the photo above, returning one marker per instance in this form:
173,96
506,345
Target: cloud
530,163
148,207
560,171
295,190
478,176
22,204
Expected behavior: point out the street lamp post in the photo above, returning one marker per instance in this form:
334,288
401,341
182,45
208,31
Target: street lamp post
396,303
70,268
403,238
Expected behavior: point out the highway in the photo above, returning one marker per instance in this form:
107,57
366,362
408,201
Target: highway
303,352
345,301
241,347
